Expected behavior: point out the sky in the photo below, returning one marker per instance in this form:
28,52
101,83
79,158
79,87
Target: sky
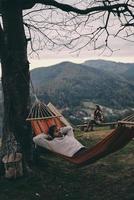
123,54
46,62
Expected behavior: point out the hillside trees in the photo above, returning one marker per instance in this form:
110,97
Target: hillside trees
50,24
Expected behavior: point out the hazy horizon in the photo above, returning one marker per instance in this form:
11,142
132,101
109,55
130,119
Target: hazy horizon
37,63
50,62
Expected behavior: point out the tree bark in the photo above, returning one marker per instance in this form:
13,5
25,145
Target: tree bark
15,80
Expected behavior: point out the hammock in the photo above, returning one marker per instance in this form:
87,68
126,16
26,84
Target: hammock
42,118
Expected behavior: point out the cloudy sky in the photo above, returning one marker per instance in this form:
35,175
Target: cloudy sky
124,53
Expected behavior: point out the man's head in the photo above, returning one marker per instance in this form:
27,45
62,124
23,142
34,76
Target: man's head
98,107
54,131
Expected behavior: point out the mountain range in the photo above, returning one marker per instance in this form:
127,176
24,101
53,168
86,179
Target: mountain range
68,84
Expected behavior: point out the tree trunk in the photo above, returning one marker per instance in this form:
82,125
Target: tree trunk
15,80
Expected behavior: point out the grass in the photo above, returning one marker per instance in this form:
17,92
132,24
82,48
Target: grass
109,178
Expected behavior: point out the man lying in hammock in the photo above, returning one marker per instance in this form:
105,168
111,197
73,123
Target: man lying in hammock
61,141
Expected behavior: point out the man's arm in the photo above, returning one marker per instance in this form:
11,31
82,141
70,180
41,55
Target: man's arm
68,130
42,140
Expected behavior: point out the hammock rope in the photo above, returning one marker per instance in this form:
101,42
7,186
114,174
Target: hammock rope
40,110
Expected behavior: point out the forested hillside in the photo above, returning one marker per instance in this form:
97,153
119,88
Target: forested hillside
67,84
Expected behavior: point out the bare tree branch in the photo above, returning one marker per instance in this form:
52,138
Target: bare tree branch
67,8
80,25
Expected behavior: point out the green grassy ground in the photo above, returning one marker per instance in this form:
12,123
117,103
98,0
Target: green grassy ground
110,178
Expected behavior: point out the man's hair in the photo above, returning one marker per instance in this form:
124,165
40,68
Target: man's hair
51,130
